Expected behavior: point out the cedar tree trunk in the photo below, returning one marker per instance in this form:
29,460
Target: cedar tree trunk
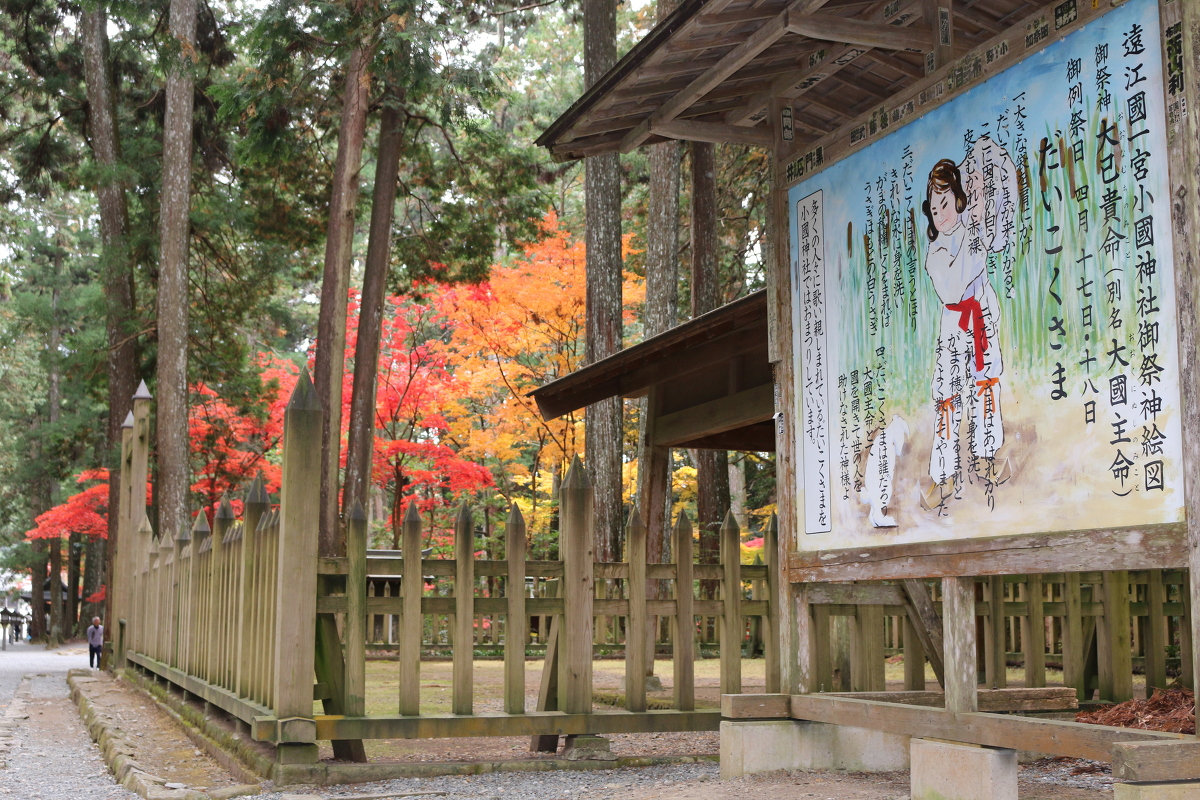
171,491
602,186
360,446
117,270
712,466
331,322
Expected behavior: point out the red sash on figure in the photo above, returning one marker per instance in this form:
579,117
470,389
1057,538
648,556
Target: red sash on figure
972,321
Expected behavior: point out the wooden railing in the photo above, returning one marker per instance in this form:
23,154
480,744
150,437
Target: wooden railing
1097,627
229,614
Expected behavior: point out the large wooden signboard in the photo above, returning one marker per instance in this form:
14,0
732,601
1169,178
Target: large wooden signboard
983,307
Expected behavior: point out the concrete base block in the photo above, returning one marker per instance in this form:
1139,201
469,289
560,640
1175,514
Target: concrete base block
951,771
752,746
1189,790
587,748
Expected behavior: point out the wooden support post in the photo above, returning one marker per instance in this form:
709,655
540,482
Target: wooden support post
820,656
926,624
958,635
516,624
804,670
296,575
914,659
1073,635
636,636
464,611
683,624
548,687
731,626
867,662
354,702
939,16
1184,154
997,664
1034,633
775,616
1155,641
1116,671
411,620
576,548
1186,665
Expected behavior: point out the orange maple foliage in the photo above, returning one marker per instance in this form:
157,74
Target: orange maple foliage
518,330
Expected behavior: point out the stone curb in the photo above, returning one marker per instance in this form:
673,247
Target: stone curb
13,714
118,754
232,752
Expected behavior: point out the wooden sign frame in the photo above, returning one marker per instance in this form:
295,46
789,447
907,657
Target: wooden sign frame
1144,547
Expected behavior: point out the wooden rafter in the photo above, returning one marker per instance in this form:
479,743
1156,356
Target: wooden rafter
860,32
787,85
692,131
735,59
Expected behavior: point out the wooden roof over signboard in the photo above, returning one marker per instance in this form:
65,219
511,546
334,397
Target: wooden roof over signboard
712,375
709,70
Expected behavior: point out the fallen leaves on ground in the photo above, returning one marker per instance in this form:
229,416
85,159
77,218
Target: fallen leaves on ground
1169,710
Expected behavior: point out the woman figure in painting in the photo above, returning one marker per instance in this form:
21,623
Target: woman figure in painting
965,223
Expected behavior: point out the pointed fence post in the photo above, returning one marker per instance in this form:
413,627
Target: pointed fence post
516,624
683,625
464,611
253,509
296,574
412,621
732,629
222,520
576,548
635,623
183,595
199,584
355,703
121,580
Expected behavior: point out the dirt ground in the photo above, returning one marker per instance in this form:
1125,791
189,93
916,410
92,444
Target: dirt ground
159,744
164,749
383,686
834,786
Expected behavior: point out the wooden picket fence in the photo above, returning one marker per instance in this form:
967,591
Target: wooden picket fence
249,619
1098,628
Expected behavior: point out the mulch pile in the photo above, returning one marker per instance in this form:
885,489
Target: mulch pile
1170,710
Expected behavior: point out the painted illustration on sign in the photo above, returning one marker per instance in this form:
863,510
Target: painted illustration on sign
983,308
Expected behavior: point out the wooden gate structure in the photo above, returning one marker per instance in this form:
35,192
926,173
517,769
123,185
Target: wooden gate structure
1060,141
232,614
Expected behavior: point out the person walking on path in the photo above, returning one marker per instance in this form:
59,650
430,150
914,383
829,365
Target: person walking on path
95,637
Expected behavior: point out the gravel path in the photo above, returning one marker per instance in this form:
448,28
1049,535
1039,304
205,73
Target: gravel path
51,755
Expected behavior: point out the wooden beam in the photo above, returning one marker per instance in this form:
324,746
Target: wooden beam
537,723
1147,547
1057,698
1147,762
855,594
860,32
770,32
755,706
690,131
816,71
926,624
1053,737
716,416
